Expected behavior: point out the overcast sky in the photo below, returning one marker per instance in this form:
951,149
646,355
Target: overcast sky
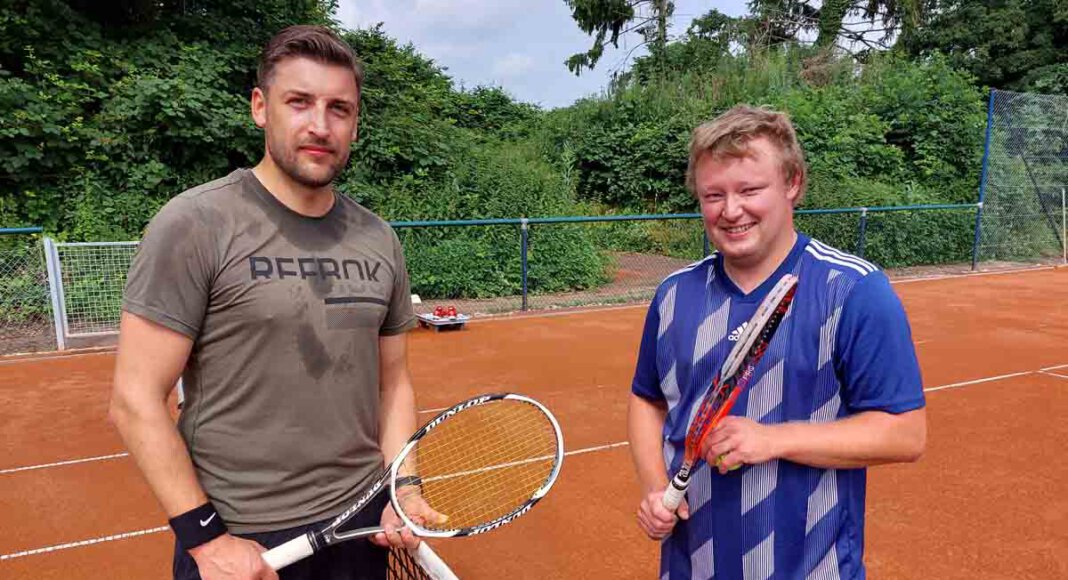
519,45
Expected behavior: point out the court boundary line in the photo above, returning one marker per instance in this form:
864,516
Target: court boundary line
148,531
83,543
585,450
62,463
979,381
120,455
911,279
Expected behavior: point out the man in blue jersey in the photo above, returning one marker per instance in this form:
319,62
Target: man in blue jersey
839,388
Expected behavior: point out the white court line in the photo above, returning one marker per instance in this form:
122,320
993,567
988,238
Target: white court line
1044,371
115,456
426,411
970,275
598,448
569,453
83,543
59,463
148,531
977,381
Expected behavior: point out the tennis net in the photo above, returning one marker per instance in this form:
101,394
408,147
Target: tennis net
403,566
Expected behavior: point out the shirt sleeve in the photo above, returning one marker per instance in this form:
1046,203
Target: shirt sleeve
877,361
646,383
401,315
169,281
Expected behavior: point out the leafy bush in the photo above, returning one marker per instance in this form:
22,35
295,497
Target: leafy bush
898,238
496,180
891,132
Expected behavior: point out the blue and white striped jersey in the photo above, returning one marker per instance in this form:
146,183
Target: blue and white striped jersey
844,347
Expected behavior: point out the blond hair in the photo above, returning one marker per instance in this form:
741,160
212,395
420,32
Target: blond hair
728,137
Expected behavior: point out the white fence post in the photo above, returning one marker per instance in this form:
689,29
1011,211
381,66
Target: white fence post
55,291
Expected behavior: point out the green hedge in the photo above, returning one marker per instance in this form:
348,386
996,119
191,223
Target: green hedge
496,179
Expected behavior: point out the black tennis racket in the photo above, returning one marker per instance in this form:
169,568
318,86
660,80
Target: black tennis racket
475,467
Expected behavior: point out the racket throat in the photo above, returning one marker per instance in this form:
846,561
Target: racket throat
681,481
318,540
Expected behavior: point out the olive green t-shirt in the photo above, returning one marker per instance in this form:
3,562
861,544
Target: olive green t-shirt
285,311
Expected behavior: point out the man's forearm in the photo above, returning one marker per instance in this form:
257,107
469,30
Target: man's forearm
157,447
396,416
645,424
868,438
396,406
149,363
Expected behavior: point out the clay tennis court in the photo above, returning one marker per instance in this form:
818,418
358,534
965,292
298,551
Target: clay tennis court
987,501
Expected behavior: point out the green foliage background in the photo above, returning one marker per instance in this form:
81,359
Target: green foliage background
107,110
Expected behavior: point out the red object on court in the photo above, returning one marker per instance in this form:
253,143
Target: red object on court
450,311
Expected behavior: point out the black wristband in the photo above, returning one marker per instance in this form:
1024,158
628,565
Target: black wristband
197,526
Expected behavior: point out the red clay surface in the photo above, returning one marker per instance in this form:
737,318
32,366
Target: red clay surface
987,501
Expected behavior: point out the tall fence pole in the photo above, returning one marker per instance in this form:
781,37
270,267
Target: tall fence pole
982,180
1064,228
524,242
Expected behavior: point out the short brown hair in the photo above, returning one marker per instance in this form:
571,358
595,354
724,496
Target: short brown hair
315,42
728,136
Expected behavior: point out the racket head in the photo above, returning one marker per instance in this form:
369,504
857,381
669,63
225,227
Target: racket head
481,463
744,357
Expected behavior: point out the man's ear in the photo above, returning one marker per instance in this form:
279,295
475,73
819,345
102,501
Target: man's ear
258,106
794,192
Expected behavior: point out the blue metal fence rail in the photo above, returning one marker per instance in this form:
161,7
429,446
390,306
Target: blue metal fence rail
26,230
524,226
525,223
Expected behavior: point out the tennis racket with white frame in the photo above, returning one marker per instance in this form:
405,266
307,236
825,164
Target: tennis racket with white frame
731,380
473,468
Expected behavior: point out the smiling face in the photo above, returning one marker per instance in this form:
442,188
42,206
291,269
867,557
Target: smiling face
310,113
747,205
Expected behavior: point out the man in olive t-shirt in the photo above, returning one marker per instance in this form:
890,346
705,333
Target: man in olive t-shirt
283,306
285,313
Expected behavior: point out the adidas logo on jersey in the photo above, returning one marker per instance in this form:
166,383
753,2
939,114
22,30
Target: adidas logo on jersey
737,332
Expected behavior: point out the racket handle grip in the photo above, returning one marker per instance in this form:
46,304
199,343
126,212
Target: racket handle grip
675,491
292,551
431,563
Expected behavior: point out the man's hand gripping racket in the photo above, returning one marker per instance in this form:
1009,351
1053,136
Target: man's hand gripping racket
474,468
732,379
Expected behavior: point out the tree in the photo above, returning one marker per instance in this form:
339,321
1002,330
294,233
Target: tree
1008,44
777,22
607,20
847,24
708,39
108,109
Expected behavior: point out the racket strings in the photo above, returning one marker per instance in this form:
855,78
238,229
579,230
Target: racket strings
480,465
